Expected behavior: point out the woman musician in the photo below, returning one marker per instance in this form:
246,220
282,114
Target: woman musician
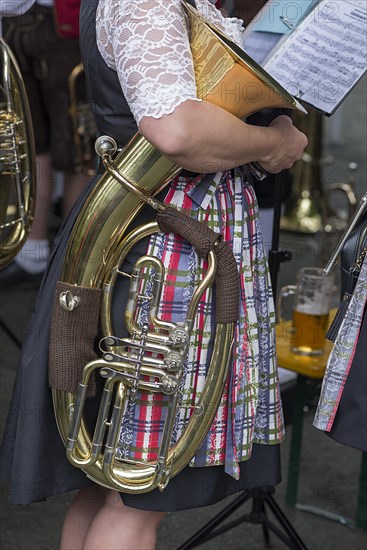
140,74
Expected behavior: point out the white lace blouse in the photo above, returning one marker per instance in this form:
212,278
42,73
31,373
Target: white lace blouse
146,42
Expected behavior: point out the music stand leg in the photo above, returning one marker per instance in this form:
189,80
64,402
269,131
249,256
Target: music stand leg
200,536
284,522
265,528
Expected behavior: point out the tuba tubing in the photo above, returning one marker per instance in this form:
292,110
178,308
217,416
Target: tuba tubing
308,208
132,178
17,159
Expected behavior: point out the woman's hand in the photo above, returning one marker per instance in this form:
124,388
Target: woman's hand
289,146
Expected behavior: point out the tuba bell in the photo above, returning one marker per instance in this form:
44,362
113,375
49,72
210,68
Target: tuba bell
17,159
151,358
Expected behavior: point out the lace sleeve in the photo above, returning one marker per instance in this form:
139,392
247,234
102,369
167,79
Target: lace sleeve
146,42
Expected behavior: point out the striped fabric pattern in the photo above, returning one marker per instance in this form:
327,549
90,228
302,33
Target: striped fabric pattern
250,409
341,356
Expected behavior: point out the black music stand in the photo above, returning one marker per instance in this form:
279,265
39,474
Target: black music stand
262,497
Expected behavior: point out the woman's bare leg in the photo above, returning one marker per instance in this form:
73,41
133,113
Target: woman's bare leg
119,527
80,516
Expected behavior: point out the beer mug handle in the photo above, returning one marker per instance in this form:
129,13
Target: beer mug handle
285,292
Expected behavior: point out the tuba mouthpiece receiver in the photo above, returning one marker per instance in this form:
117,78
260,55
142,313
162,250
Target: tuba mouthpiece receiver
105,145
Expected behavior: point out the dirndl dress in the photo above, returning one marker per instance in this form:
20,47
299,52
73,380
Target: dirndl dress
241,450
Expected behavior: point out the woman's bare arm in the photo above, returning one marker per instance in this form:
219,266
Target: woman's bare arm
204,138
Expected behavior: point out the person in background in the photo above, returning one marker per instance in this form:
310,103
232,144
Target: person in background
46,61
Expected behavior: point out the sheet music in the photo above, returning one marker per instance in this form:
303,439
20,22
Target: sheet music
323,58
268,28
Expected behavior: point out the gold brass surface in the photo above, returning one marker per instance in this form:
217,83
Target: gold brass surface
308,208
17,159
134,478
227,76
84,451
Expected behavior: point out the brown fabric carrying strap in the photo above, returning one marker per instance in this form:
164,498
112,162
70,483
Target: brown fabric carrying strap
72,337
204,240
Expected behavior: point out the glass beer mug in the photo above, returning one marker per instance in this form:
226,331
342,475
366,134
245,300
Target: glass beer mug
313,296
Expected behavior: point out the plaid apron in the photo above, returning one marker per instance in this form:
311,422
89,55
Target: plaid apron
250,409
341,356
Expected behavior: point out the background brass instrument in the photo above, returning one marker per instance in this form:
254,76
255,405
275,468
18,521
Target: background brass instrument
310,208
131,180
84,126
17,159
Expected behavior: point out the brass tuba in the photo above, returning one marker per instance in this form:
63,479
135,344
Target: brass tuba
17,159
84,126
308,209
227,77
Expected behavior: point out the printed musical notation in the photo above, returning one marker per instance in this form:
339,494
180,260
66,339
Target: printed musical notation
325,56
